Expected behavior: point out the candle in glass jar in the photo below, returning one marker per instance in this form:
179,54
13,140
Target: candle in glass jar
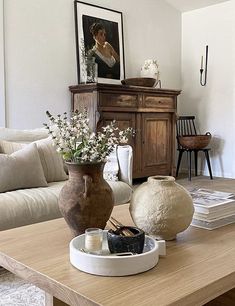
93,240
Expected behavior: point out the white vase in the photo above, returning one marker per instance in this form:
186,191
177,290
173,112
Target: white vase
161,207
150,70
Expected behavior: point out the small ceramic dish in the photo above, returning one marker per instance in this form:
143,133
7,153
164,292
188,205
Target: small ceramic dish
119,244
107,264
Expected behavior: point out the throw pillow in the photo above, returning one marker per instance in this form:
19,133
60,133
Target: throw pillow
8,147
111,167
51,160
21,169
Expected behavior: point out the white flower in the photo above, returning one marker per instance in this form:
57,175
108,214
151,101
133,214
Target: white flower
82,145
124,139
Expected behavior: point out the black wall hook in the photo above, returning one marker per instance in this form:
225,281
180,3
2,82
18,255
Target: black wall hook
201,70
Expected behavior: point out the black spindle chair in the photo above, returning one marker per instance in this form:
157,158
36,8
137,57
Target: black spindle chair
185,126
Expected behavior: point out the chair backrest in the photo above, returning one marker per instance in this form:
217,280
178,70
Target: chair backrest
185,126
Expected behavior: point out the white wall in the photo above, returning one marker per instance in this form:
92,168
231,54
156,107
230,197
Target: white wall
40,51
214,104
152,29
2,69
39,61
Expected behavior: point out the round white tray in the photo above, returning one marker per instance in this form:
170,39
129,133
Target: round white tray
112,265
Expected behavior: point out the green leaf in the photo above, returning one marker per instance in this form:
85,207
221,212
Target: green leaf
77,153
67,156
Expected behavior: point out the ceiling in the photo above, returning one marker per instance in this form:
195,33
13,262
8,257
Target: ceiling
189,5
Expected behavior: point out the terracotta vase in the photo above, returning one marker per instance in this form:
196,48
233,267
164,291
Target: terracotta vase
161,207
86,200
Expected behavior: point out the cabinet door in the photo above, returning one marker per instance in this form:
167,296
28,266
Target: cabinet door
156,143
125,120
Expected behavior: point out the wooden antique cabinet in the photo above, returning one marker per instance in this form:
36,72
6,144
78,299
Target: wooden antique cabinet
150,111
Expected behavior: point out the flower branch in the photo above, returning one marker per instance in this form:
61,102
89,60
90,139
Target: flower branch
77,143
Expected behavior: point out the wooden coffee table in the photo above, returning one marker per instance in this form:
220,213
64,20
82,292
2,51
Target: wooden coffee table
199,266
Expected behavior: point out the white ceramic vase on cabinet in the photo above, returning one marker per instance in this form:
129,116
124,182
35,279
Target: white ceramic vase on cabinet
150,69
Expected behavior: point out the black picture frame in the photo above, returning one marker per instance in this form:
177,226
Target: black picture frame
110,70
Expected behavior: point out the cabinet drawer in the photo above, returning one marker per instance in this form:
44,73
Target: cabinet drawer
119,100
159,102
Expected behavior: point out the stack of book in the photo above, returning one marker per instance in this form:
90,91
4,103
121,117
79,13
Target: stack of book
213,209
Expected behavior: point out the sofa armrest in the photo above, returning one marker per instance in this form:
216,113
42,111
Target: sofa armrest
125,161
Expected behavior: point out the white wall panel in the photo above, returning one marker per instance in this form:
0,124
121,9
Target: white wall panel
2,68
214,104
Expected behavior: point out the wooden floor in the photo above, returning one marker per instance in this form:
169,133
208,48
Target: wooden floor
219,184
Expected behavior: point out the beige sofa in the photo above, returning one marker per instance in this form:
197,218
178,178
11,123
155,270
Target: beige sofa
31,205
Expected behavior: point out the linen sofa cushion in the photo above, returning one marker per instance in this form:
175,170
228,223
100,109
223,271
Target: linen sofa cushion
8,147
21,169
52,162
122,192
27,206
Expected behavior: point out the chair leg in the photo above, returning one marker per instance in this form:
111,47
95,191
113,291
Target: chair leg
189,164
195,161
208,163
179,161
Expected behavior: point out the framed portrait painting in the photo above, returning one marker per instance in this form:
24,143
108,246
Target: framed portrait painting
99,34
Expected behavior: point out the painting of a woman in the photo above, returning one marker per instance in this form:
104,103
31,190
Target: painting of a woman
99,34
107,58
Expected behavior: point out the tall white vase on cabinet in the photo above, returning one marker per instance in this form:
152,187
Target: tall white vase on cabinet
150,69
